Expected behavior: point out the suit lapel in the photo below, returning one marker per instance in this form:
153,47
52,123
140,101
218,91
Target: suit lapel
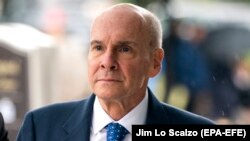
81,117
78,125
155,114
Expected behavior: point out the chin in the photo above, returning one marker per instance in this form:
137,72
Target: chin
108,93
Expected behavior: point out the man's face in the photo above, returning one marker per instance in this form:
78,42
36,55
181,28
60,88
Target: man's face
119,57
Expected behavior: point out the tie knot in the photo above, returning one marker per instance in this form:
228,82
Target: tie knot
116,132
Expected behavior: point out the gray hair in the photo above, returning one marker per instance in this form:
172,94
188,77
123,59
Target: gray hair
152,24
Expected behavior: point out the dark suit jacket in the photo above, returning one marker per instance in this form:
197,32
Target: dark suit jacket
72,121
3,132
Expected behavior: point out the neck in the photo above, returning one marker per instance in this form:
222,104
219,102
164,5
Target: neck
117,109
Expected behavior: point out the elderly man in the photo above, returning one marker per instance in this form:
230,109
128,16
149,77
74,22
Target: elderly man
125,51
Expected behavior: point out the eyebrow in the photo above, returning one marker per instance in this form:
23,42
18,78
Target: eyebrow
95,42
119,42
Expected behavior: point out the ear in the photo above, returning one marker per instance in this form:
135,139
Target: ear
156,66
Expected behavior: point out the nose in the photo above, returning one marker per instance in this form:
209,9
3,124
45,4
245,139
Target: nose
109,62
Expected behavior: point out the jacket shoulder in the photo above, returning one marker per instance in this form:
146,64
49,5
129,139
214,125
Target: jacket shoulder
55,121
181,116
55,112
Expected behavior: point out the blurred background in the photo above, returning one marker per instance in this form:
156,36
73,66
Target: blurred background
44,44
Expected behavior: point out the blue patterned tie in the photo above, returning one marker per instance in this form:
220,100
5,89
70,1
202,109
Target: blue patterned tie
116,132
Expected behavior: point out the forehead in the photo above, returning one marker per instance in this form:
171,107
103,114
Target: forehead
119,22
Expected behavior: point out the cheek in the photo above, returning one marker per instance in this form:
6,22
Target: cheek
138,76
144,66
92,68
137,70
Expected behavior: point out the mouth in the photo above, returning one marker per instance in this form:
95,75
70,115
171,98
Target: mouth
108,80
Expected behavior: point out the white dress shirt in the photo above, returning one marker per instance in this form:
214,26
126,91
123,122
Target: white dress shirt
100,119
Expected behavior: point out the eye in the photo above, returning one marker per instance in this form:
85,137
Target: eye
124,49
97,48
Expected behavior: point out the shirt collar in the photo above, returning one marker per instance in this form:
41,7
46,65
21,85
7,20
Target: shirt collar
136,116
